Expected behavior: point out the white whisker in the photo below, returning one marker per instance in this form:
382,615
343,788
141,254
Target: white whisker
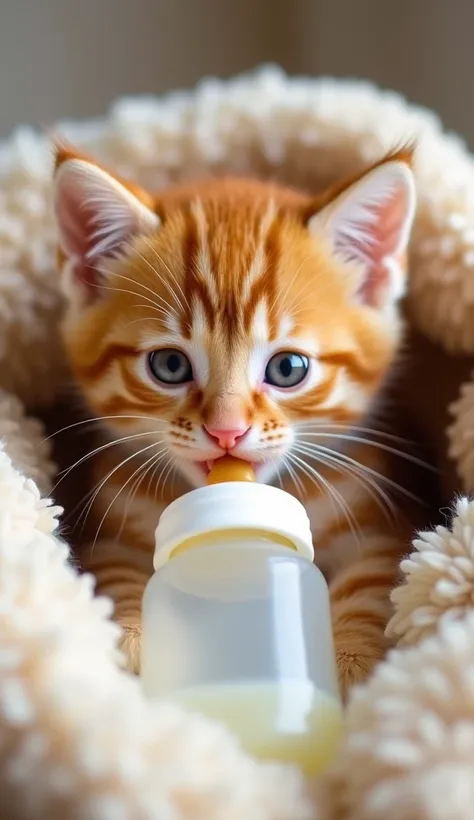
347,428
162,280
384,478
167,474
317,478
171,273
153,473
166,314
115,289
166,465
146,318
274,461
129,479
97,450
377,444
109,475
97,420
133,491
108,274
379,496
280,296
154,294
300,490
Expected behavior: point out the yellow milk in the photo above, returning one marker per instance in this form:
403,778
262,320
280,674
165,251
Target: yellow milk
290,723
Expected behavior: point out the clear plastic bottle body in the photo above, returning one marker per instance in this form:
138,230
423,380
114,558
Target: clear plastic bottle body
240,629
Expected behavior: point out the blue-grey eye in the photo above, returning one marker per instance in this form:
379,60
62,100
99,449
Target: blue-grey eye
170,366
286,369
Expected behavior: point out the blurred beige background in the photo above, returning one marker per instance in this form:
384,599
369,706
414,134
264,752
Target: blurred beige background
71,58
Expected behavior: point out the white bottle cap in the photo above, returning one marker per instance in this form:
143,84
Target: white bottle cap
232,505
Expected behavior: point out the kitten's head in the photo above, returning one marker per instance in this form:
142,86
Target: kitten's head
230,315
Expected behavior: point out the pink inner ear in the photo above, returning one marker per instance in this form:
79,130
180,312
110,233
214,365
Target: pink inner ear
76,239
377,237
389,221
96,215
389,226
91,224
73,218
75,221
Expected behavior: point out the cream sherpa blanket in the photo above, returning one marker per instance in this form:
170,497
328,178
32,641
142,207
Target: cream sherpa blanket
77,739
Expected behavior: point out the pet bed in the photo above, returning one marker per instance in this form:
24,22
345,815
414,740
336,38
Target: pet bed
77,739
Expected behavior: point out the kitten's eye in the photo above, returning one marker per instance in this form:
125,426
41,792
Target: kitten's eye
170,366
286,369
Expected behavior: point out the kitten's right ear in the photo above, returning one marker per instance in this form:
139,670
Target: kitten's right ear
96,216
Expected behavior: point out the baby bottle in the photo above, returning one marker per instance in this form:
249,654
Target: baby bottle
236,619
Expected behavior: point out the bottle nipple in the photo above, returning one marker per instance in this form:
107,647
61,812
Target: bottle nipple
229,468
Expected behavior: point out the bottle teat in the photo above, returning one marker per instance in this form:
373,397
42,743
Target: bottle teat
229,468
230,503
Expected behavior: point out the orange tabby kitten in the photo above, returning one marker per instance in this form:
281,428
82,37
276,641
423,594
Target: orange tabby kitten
238,316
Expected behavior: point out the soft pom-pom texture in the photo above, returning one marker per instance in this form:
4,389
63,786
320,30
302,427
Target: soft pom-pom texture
77,739
410,748
439,579
24,440
461,436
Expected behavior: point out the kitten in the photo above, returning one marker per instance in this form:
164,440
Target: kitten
239,316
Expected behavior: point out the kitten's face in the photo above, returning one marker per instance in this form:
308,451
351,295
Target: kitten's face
227,318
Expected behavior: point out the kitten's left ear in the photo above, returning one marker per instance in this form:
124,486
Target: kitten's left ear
96,215
369,223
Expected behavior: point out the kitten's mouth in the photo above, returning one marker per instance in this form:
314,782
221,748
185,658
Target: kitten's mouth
209,464
201,469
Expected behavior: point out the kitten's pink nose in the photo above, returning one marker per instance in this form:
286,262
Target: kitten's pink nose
227,438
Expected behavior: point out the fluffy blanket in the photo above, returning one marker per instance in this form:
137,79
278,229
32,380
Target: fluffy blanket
77,739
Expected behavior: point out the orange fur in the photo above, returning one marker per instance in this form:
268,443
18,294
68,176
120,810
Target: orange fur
232,275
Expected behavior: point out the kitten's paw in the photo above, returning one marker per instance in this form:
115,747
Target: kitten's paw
130,646
353,667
